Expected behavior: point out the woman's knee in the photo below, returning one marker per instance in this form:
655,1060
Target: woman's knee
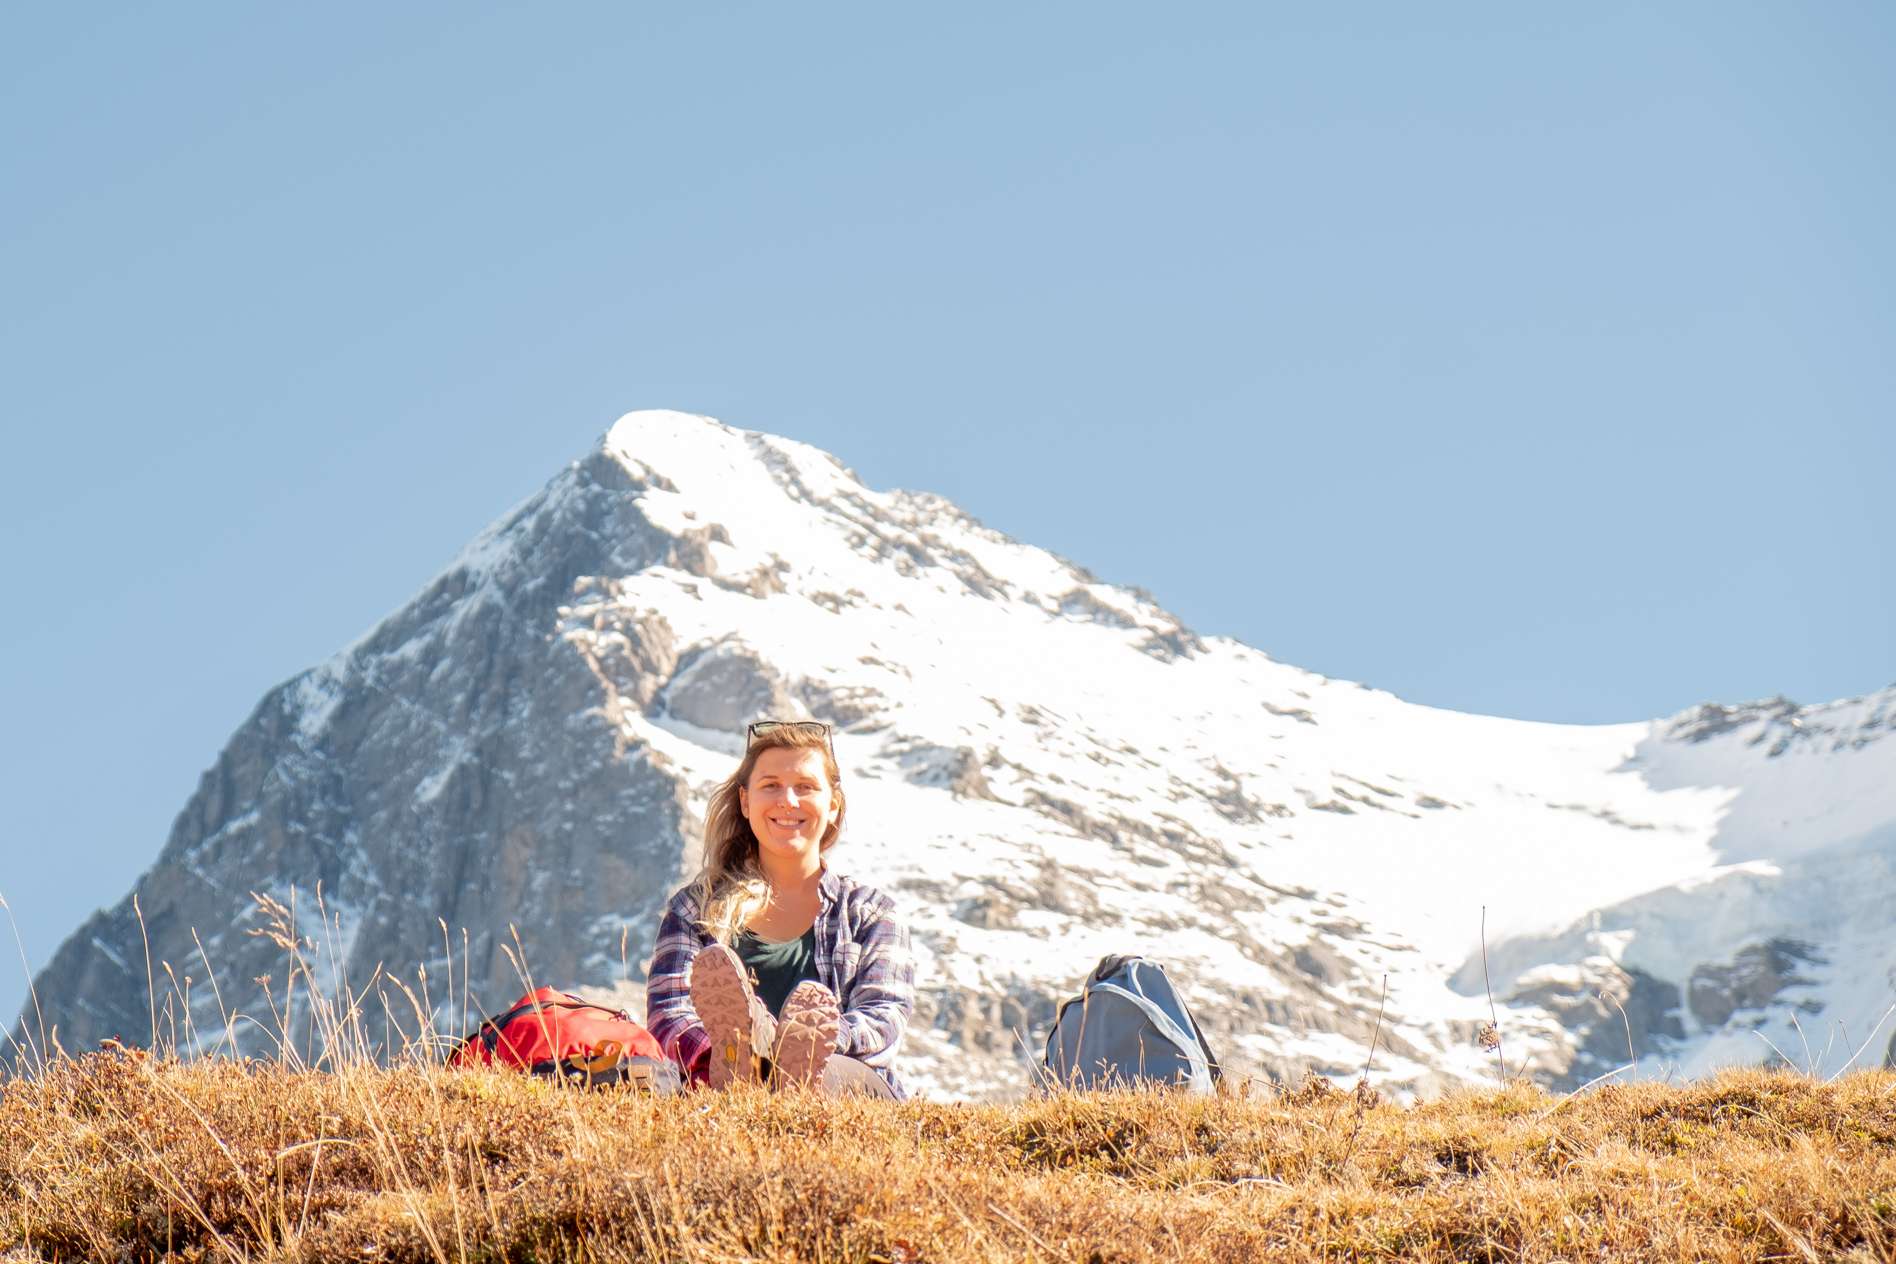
844,1076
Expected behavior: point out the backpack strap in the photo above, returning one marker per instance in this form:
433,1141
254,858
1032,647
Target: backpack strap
1053,1035
1211,1059
1198,1033
491,1027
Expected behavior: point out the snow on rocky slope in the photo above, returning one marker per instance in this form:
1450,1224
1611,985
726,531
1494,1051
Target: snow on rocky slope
1044,769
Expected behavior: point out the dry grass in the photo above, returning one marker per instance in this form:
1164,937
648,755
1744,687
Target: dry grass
321,1154
122,1156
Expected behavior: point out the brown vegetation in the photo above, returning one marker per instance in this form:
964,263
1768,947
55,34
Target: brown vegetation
123,1156
322,1154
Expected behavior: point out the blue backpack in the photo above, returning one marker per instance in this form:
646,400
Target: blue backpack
1128,1026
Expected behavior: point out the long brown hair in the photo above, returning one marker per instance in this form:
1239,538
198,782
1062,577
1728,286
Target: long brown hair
731,888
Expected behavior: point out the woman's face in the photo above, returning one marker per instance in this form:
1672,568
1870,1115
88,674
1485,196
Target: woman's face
789,803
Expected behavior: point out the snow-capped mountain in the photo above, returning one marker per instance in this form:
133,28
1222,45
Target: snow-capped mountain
1043,769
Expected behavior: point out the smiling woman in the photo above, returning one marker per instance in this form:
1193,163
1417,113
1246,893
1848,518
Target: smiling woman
770,965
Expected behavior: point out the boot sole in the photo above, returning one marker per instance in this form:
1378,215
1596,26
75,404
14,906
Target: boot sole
806,1034
722,996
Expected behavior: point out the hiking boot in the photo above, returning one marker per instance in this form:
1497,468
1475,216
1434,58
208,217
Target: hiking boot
739,1025
806,1034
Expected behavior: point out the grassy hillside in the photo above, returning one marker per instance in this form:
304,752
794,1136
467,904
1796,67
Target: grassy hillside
122,1156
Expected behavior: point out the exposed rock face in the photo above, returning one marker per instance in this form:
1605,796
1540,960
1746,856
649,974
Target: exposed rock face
1751,980
723,687
1613,1015
1778,725
1043,769
447,767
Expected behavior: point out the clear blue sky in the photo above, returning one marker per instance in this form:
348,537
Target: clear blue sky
1533,360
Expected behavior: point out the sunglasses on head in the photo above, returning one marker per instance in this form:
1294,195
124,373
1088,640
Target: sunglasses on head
814,728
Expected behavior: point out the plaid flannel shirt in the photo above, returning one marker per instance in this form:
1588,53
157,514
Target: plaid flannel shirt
862,955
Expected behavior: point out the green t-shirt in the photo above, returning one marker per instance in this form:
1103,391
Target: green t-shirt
777,967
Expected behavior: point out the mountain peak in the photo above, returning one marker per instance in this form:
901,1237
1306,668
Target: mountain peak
703,457
1043,769
665,438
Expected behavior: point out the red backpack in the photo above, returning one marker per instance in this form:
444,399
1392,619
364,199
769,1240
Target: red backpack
553,1033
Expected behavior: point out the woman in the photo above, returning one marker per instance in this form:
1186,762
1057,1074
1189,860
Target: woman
834,980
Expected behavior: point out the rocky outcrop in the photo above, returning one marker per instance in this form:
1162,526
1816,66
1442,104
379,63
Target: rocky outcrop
723,687
1753,979
1613,1016
446,769
1778,725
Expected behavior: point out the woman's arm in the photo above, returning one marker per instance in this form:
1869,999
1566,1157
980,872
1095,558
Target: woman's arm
668,1013
882,993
